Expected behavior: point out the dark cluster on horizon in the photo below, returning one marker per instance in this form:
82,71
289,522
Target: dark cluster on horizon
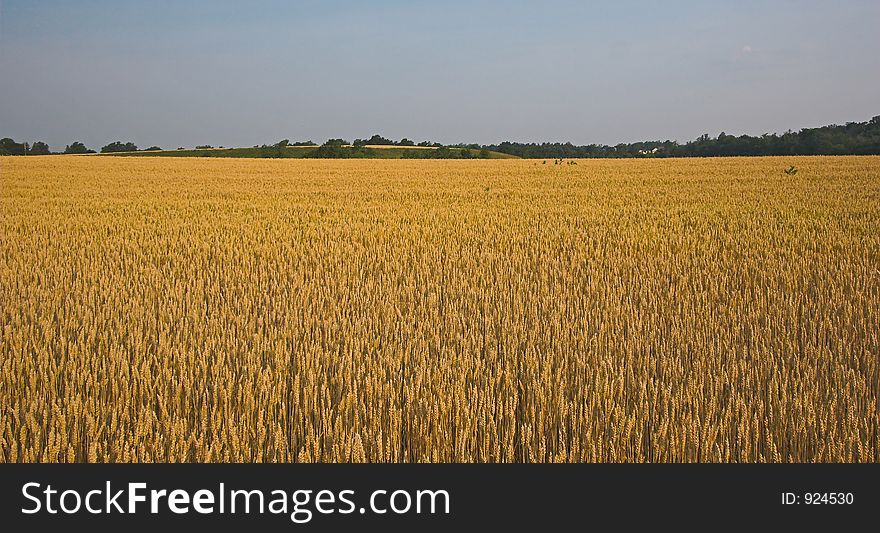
852,138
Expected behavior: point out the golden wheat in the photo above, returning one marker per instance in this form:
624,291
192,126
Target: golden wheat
163,309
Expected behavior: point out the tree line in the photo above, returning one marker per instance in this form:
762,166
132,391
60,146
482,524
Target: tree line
337,147
852,138
378,140
10,147
341,149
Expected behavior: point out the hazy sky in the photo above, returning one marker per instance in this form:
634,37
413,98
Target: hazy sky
180,73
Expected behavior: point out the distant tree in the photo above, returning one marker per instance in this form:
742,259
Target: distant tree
304,143
378,140
204,147
270,151
283,143
359,143
337,149
330,151
405,142
10,147
77,147
152,149
119,146
39,148
425,143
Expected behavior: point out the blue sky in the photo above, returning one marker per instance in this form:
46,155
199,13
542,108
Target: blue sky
180,73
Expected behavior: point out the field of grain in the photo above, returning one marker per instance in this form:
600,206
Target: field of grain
163,309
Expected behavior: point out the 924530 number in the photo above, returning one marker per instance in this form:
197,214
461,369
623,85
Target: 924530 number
828,498
818,498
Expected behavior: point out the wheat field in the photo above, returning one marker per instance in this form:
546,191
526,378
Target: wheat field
699,310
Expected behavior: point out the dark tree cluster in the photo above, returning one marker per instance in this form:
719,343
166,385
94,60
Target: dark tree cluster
445,152
119,146
77,147
853,138
277,150
10,147
378,140
339,149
